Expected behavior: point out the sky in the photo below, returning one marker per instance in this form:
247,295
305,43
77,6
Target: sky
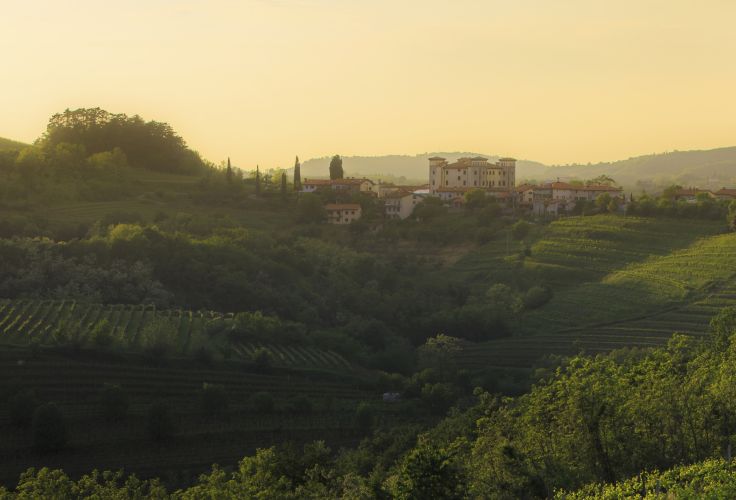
260,81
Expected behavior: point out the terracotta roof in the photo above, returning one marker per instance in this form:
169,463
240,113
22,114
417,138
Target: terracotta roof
575,187
726,192
342,206
331,182
398,194
526,187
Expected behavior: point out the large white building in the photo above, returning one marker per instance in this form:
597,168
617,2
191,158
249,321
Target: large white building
452,180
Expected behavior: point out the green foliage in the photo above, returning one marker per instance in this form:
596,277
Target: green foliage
262,359
48,429
430,472
336,170
159,338
310,209
537,296
150,145
712,479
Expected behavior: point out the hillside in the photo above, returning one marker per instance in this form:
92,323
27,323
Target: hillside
617,282
10,145
76,384
712,168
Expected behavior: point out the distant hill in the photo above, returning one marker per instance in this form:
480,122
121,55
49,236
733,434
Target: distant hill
412,167
11,145
712,168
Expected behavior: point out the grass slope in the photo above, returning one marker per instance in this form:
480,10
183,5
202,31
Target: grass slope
618,282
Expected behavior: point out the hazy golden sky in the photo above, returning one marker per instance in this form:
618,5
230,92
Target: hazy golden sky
551,80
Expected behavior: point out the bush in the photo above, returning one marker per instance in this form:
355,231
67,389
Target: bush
113,403
48,429
301,405
160,425
213,400
536,297
262,359
21,407
159,338
262,402
438,397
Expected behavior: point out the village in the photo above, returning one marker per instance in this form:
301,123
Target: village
452,182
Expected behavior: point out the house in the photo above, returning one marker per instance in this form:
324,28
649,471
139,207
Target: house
343,213
471,173
725,194
558,197
350,184
525,194
690,195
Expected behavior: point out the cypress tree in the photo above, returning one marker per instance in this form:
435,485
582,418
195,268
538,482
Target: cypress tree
283,184
229,171
297,175
336,171
258,180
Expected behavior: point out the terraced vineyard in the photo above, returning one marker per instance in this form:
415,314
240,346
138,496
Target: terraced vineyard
629,296
23,322
75,385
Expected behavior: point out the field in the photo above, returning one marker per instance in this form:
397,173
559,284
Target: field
24,322
75,384
618,282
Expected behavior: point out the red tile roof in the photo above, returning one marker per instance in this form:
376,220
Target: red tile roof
726,192
342,206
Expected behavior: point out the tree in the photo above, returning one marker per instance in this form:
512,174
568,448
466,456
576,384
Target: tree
229,171
48,428
429,471
311,209
297,175
336,171
258,180
283,184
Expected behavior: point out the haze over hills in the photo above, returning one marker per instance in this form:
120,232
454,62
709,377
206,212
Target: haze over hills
712,168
